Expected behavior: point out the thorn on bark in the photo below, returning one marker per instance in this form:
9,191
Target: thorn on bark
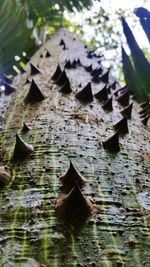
57,73
126,112
96,79
145,114
113,85
108,88
68,64
79,64
74,64
123,98
47,54
62,42
108,105
34,95
85,95
27,81
25,128
70,178
102,95
22,149
144,110
144,105
112,143
105,77
122,126
66,89
34,70
9,89
145,119
89,54
73,208
120,90
97,71
62,79
6,79
88,68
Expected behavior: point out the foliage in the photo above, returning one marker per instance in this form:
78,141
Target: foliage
99,31
14,35
130,76
25,24
144,16
139,73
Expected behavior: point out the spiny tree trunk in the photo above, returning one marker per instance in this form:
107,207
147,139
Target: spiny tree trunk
64,129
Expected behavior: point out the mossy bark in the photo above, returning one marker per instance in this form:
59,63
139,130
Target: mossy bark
64,129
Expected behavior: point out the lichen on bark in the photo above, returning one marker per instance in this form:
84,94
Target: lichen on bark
63,129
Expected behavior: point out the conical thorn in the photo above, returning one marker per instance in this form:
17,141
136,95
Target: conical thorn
57,73
85,95
112,143
34,95
7,79
22,149
105,77
145,120
70,178
9,89
68,64
108,105
25,128
66,89
62,78
47,54
96,79
73,208
88,68
123,98
122,126
62,42
34,70
102,95
126,112
113,85
97,71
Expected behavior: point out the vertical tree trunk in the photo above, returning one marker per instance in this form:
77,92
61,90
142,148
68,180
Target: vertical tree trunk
64,129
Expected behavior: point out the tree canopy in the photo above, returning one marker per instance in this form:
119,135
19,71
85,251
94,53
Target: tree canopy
25,25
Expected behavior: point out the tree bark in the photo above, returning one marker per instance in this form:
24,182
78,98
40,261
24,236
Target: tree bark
64,129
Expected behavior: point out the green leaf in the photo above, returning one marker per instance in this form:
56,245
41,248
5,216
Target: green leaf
144,16
132,79
16,37
141,65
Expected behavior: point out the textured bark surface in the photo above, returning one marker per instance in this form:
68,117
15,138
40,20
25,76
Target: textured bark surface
64,129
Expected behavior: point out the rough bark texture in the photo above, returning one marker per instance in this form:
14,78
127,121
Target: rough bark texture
63,129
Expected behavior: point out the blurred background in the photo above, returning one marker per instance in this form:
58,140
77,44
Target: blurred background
107,27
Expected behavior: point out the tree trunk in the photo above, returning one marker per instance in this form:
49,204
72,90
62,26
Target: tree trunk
64,129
